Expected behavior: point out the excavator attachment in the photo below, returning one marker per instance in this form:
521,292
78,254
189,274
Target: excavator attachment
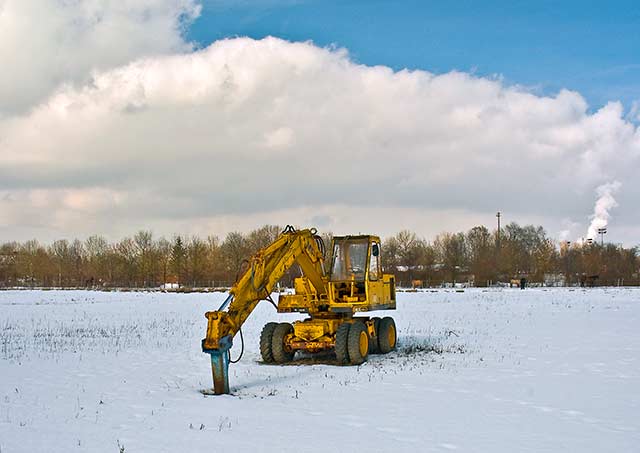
218,346
220,365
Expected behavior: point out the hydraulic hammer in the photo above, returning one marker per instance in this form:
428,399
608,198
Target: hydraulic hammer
218,350
220,365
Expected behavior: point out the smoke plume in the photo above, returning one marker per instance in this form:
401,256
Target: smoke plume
604,204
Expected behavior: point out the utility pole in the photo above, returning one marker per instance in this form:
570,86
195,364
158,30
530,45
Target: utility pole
498,246
568,254
498,215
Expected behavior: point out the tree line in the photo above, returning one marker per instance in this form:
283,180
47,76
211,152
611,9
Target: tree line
478,257
481,258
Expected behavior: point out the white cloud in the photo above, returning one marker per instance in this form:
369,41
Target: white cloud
246,132
279,138
45,43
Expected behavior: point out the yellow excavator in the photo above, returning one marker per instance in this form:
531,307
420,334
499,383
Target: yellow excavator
354,284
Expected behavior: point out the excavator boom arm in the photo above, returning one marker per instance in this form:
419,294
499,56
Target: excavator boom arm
257,282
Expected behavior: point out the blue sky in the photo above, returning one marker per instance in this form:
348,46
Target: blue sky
589,46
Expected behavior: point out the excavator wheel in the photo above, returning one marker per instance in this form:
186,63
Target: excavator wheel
387,336
266,337
373,341
358,343
342,335
279,350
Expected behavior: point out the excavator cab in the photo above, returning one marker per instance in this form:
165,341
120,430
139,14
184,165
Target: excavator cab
356,274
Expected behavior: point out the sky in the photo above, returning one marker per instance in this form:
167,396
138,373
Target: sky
190,117
588,46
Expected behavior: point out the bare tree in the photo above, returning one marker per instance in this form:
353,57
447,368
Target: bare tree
452,253
146,257
163,248
481,251
234,250
197,261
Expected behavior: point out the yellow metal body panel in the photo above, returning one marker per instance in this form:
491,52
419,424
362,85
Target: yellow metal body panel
309,331
216,319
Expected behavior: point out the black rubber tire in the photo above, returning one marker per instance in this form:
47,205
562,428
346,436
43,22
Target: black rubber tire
342,335
373,341
356,357
278,349
265,341
386,343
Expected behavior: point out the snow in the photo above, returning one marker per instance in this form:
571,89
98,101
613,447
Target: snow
498,370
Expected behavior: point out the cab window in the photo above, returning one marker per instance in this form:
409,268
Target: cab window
374,262
349,260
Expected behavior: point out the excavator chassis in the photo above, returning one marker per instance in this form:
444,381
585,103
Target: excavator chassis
315,335
312,335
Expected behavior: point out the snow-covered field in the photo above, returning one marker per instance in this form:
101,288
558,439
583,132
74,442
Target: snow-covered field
480,370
